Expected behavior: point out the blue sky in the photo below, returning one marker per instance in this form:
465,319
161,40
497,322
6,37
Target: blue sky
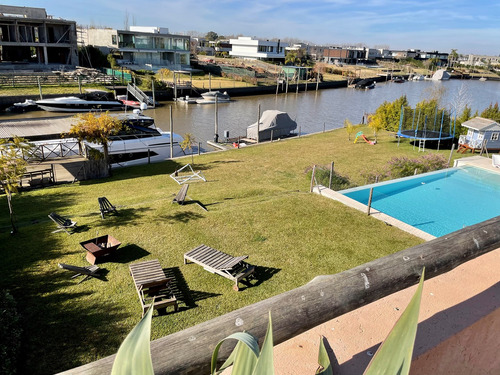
468,26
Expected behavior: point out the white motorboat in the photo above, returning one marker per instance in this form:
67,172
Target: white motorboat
211,96
86,103
138,143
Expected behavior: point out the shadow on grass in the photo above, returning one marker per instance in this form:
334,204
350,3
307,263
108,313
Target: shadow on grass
263,274
127,254
122,216
182,292
146,170
207,166
182,217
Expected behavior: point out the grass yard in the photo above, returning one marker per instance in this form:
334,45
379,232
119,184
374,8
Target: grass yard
258,204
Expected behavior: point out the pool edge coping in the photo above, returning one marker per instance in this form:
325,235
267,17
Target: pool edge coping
332,194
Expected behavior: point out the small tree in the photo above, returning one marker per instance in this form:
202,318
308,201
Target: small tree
95,128
188,143
12,168
349,128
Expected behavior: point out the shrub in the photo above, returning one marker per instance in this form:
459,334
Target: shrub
405,166
10,334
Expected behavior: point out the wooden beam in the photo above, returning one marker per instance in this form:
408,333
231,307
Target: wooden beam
324,298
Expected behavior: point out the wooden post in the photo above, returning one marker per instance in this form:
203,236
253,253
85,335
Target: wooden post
175,88
258,125
300,130
324,126
80,84
238,142
317,81
321,300
272,133
149,154
331,176
312,178
277,85
216,135
171,134
209,81
153,91
199,148
39,87
297,82
286,91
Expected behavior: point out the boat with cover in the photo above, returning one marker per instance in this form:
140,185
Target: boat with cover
272,125
94,101
210,97
365,84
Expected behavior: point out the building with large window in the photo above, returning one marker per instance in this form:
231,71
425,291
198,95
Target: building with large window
249,48
141,47
30,36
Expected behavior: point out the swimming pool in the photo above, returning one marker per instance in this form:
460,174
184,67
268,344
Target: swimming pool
439,202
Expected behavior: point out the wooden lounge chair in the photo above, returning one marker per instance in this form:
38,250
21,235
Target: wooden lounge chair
63,224
181,195
215,261
150,281
106,207
89,271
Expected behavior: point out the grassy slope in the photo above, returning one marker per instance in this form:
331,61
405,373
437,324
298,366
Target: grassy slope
258,204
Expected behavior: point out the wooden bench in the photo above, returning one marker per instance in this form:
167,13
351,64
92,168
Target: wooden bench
215,261
152,285
106,207
181,195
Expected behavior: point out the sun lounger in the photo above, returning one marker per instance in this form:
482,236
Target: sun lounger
63,224
106,207
215,261
89,271
150,282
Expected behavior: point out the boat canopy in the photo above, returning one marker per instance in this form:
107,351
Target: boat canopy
272,122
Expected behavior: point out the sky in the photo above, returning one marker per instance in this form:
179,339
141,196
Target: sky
429,25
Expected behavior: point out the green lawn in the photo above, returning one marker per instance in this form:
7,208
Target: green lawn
258,204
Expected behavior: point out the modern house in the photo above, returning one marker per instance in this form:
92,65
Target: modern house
342,55
255,49
141,47
481,130
30,36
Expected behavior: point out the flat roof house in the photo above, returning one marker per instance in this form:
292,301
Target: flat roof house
249,48
30,36
141,47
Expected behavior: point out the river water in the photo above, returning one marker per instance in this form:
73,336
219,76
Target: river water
313,110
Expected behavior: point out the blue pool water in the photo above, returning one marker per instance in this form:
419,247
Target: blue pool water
438,202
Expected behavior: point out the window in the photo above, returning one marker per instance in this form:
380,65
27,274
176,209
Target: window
113,39
494,136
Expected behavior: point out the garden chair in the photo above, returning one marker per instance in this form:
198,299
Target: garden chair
63,224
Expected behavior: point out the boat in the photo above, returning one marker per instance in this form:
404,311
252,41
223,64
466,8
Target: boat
27,105
93,101
483,79
211,96
272,125
365,84
417,77
129,103
397,79
138,143
441,75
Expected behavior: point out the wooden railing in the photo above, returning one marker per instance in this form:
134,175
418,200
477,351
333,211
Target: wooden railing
324,298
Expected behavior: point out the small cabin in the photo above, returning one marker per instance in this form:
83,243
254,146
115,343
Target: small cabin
482,131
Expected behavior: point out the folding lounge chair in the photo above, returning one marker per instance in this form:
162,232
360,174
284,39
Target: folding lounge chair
215,261
150,282
495,160
89,271
106,207
63,224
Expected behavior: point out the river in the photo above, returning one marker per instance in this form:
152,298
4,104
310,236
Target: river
313,110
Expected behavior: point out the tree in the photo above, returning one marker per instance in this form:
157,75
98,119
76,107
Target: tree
349,128
492,112
291,58
452,57
187,143
387,115
211,36
95,128
12,167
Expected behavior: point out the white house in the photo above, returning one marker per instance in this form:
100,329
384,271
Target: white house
249,48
